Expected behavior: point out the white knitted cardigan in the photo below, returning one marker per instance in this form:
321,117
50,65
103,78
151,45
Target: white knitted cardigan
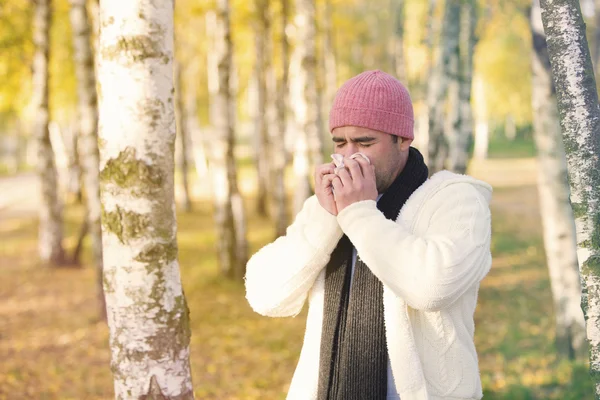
430,261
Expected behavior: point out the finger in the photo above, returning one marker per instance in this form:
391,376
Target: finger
345,177
360,156
327,179
323,170
325,167
355,168
364,164
337,184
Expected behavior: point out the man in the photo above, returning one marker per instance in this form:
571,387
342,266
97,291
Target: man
390,261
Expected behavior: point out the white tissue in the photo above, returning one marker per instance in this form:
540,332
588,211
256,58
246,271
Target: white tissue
338,160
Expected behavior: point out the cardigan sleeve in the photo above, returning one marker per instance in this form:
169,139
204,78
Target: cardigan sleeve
279,276
433,269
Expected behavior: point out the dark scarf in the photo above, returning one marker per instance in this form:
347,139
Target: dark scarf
353,358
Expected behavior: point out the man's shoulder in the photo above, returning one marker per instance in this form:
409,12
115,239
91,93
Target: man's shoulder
444,186
447,182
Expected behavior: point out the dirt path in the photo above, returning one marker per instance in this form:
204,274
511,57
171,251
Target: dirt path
19,196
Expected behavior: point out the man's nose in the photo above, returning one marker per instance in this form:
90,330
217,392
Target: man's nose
349,149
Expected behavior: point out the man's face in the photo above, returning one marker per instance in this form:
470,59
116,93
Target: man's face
388,156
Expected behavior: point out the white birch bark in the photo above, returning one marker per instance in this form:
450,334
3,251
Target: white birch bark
50,233
510,128
557,215
480,112
329,55
147,310
261,134
279,158
438,87
304,100
579,114
396,51
229,215
88,132
62,158
196,141
275,129
459,152
422,140
452,127
301,163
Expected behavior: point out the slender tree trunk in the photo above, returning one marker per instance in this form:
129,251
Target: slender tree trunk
438,87
301,163
148,315
193,126
329,54
277,198
557,216
396,50
279,151
579,114
460,144
306,107
50,229
422,139
482,130
263,146
61,158
229,215
453,121
182,135
510,128
88,133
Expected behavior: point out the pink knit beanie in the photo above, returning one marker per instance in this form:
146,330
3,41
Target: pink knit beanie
374,100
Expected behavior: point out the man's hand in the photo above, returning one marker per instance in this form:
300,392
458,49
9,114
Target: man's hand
324,175
354,183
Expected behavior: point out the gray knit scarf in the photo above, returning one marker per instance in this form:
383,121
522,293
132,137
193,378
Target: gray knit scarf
353,356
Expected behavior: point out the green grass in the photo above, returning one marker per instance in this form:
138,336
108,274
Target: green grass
501,147
53,347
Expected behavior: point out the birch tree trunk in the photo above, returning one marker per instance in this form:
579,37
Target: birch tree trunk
279,150
482,129
422,139
579,114
459,147
438,87
396,51
88,133
306,107
183,136
50,230
453,117
329,56
147,310
229,211
263,150
312,119
557,216
191,113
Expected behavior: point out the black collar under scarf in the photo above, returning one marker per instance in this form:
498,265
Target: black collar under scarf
353,356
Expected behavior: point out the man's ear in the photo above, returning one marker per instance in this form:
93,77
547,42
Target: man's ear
405,144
